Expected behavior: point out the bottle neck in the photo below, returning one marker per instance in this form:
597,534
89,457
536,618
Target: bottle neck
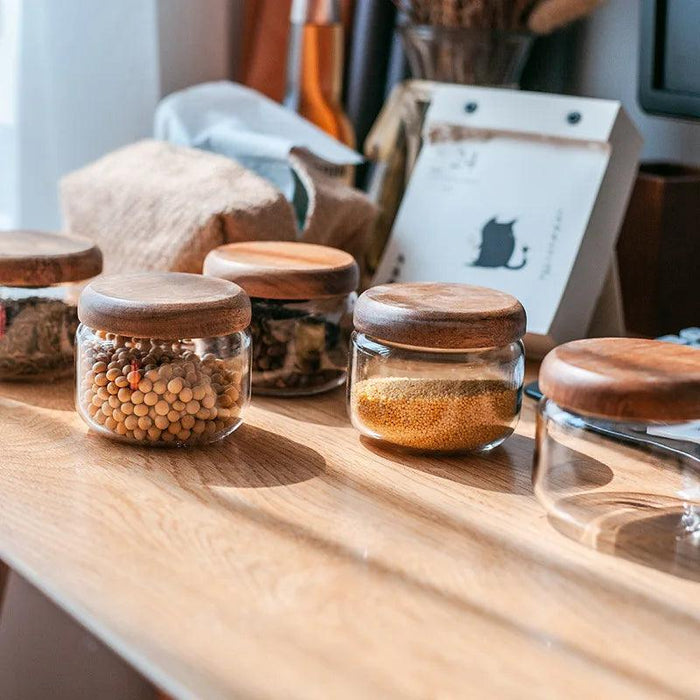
314,64
315,67
315,12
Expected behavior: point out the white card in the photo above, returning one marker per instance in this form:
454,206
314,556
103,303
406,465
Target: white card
505,211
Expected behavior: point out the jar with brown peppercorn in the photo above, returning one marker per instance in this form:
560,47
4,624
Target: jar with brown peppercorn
163,358
302,297
41,275
437,367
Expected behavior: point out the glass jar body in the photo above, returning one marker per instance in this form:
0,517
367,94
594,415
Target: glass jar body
435,400
37,332
162,392
466,55
300,347
620,487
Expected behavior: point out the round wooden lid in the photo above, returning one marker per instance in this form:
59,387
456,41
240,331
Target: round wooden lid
167,305
440,315
625,379
285,269
40,259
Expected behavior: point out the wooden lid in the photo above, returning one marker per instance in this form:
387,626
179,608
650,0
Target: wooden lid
166,305
285,269
624,378
440,315
39,259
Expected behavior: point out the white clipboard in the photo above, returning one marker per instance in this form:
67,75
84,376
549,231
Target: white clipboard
523,192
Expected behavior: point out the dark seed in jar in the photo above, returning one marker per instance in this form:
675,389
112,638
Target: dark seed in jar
294,348
37,337
165,393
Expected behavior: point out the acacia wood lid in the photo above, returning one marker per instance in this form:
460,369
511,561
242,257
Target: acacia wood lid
40,259
625,379
440,315
167,305
285,269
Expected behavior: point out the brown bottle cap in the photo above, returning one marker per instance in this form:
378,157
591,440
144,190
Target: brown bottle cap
40,259
285,269
167,305
440,315
624,379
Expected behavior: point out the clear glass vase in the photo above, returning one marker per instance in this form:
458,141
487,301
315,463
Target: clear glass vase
468,56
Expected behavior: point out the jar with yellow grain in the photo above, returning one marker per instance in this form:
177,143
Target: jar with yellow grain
163,359
437,367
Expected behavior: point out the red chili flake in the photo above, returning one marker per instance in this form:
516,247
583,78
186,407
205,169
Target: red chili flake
135,368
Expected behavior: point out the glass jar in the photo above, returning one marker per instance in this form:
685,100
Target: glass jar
41,275
302,297
437,367
466,55
618,448
143,378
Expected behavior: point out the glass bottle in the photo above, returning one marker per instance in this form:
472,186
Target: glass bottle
315,67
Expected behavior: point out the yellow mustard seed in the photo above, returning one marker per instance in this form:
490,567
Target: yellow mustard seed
435,414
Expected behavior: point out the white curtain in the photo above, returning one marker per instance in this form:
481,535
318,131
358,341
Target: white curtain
79,78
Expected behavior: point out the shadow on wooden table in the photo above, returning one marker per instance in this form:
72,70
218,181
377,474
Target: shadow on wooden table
328,409
632,527
257,458
507,469
250,458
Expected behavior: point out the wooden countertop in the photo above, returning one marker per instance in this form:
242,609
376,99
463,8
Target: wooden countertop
293,561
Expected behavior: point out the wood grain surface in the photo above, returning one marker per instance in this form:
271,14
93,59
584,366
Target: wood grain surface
295,560
624,378
40,259
440,315
285,269
164,305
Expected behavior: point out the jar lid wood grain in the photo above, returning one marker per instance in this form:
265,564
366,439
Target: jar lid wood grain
440,315
164,305
625,379
40,259
285,269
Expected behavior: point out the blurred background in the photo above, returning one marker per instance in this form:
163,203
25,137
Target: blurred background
79,78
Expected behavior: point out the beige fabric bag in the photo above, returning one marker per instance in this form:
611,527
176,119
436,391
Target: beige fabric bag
156,206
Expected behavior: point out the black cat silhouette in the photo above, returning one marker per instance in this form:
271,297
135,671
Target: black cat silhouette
497,246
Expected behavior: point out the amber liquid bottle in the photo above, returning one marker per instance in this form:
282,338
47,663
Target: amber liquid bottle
315,67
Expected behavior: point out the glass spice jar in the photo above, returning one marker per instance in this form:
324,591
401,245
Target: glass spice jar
436,367
163,358
617,464
41,275
302,297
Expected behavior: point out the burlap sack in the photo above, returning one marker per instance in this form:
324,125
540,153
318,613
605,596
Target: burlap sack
155,206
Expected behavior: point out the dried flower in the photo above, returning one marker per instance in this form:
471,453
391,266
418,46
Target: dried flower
549,15
539,16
